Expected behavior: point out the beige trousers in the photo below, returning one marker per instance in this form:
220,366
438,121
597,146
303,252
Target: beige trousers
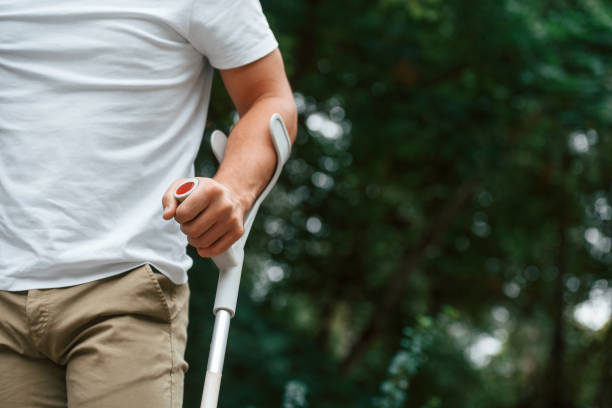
116,342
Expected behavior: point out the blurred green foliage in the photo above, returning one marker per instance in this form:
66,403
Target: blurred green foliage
441,235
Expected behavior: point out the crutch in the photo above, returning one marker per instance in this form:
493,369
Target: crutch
230,262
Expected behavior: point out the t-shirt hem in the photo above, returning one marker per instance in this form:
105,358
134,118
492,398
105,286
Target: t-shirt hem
27,284
262,49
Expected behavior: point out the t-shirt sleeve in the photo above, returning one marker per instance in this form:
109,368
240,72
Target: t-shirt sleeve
230,33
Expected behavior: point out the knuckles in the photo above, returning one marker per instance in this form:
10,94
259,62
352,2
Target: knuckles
226,209
237,225
215,188
182,214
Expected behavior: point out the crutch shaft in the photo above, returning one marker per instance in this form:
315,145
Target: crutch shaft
219,341
216,356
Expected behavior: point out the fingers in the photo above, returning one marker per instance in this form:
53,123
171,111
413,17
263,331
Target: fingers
209,237
231,227
215,215
220,246
206,193
169,203
197,227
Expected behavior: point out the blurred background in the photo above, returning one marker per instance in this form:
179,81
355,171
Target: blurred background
441,236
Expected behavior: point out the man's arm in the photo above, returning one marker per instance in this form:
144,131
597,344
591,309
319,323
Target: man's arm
258,90
212,217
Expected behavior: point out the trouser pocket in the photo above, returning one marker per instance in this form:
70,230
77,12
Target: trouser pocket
174,298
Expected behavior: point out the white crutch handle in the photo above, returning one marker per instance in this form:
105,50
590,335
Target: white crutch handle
230,261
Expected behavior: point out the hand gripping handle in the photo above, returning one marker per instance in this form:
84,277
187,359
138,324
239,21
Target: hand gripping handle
230,262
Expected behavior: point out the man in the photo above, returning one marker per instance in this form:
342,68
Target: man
102,110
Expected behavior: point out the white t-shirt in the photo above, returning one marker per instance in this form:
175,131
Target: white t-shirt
102,107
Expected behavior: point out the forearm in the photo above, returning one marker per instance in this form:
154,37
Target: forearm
250,158
212,216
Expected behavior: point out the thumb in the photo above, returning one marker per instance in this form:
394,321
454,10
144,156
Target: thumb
170,203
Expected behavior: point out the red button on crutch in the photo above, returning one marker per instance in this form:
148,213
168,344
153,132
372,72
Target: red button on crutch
185,188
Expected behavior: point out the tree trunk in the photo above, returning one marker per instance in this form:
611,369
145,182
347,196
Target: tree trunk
391,296
556,389
557,392
603,398
305,57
